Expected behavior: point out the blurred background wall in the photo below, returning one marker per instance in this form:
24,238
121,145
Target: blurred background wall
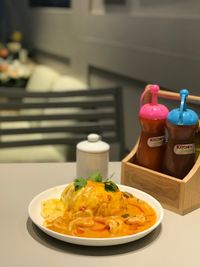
123,42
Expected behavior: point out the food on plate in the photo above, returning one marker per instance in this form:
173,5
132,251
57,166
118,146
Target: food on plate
95,207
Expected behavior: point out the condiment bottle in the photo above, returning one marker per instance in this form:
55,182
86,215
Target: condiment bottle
181,126
152,118
92,156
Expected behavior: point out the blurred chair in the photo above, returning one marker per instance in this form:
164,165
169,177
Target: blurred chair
42,79
22,154
101,112
64,83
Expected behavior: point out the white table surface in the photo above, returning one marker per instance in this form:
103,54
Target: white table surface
175,243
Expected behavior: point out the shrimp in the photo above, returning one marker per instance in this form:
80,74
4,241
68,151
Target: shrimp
139,219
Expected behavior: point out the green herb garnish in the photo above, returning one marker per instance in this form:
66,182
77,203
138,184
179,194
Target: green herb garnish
96,177
110,186
79,183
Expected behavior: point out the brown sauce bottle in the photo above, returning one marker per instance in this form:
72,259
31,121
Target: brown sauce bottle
151,144
152,118
181,126
180,150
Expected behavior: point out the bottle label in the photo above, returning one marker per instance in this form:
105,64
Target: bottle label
184,149
156,141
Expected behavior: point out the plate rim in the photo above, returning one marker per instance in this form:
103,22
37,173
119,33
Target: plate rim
76,239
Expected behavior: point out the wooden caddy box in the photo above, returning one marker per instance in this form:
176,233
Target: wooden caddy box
180,196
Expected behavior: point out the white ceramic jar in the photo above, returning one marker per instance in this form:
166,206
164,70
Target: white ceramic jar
92,156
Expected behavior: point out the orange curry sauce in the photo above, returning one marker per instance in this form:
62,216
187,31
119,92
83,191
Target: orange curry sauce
102,214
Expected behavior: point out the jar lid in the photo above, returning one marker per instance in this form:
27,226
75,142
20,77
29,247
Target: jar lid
183,115
93,144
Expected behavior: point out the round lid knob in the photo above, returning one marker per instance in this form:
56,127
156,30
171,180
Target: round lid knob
93,137
93,144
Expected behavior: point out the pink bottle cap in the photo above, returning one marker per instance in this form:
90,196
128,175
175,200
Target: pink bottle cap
153,110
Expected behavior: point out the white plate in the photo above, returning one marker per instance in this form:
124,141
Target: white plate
55,192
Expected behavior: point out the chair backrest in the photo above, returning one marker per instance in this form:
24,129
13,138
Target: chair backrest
100,112
42,79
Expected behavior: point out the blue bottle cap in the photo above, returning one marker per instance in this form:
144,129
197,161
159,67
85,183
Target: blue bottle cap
183,115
